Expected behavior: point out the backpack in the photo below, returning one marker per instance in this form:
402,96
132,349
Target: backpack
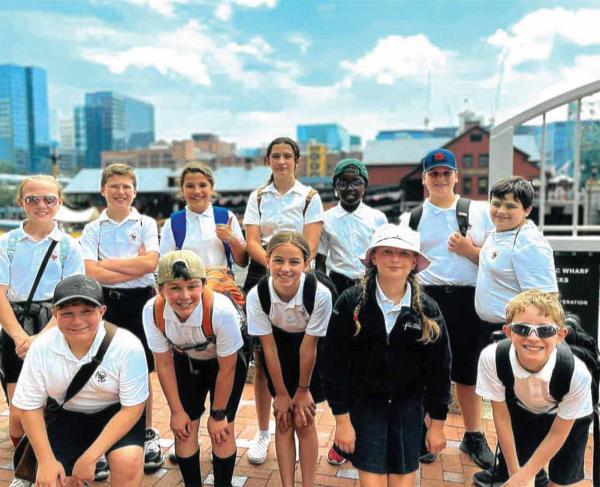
178,227
309,293
462,215
13,238
309,196
578,344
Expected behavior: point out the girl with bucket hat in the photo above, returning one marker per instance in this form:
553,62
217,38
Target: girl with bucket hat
388,359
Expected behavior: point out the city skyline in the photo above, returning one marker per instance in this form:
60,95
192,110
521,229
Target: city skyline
250,70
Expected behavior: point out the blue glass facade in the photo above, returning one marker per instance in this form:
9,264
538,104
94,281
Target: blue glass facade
24,127
335,137
115,122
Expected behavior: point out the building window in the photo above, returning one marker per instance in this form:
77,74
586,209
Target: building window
467,160
476,137
482,185
467,187
484,160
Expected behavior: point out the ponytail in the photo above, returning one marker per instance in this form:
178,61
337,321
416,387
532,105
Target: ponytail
431,330
365,283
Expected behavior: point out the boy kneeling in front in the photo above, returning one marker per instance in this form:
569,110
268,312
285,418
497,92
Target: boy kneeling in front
534,428
106,415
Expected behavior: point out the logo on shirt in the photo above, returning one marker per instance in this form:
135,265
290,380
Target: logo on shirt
54,257
133,236
412,326
100,376
494,254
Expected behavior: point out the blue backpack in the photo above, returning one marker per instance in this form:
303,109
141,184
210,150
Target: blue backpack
178,228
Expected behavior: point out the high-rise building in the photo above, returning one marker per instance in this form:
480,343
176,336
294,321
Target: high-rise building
334,136
24,123
116,122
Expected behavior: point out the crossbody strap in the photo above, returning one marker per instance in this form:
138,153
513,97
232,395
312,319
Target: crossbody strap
38,277
86,371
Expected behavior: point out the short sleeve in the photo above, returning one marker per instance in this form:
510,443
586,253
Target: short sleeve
534,267
323,243
251,215
489,386
157,341
31,392
380,219
150,234
235,227
74,263
258,322
226,326
317,324
314,212
577,403
4,262
133,373
167,241
89,242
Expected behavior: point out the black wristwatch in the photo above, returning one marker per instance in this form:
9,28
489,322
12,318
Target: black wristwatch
218,414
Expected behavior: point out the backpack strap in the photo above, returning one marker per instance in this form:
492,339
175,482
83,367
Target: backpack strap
309,196
560,382
503,367
462,215
208,297
178,227
309,293
158,309
415,217
259,194
221,216
264,295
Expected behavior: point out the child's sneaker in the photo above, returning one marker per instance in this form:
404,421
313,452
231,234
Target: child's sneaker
475,445
334,458
153,457
102,472
20,483
257,453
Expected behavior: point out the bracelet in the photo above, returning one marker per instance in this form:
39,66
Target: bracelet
303,387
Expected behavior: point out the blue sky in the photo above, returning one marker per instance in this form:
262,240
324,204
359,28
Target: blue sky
250,70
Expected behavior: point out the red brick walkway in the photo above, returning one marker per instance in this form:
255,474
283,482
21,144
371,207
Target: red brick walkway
452,467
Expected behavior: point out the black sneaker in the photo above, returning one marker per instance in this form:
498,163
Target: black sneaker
102,472
475,445
427,458
493,477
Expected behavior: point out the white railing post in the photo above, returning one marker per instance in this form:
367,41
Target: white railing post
542,207
577,168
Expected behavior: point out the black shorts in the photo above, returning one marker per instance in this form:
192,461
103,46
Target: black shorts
529,430
485,333
342,282
288,351
253,275
124,308
457,304
72,433
11,363
193,387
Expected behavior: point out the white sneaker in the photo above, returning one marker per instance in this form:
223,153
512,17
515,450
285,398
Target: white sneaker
153,457
297,444
20,483
257,453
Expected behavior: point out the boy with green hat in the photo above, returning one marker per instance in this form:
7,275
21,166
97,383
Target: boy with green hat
347,230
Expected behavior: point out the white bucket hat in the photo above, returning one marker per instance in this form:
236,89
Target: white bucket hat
399,237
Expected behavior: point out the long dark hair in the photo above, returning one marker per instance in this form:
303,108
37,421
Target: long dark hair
282,140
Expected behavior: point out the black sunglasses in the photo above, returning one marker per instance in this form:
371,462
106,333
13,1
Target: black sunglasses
545,330
50,200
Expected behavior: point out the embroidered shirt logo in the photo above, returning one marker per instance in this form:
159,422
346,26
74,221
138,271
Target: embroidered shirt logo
412,325
494,254
100,376
132,237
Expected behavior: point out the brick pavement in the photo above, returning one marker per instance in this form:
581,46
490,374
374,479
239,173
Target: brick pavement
452,468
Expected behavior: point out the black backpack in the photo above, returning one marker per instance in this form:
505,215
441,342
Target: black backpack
462,215
309,292
578,344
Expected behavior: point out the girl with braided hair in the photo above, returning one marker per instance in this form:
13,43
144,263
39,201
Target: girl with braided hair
387,359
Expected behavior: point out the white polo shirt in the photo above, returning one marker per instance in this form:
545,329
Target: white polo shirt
533,389
292,316
200,236
390,310
225,322
437,224
346,236
105,238
50,366
282,212
509,263
29,253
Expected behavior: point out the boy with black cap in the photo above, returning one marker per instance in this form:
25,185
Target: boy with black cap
106,415
347,230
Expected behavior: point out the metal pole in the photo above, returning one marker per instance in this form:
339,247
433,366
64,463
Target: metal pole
576,168
542,208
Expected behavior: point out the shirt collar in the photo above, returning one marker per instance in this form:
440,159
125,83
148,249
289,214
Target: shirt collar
295,301
296,188
133,215
404,302
343,212
437,210
62,347
545,374
194,320
55,234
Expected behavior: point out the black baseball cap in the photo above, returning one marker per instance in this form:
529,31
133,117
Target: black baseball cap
78,287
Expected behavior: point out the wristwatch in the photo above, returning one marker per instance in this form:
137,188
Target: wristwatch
218,414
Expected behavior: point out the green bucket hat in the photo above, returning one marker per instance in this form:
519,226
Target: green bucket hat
347,164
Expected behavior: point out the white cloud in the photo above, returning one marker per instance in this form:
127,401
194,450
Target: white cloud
256,3
224,11
532,38
301,41
163,7
398,57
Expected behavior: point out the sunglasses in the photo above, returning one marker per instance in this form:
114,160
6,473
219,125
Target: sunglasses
354,184
545,330
49,200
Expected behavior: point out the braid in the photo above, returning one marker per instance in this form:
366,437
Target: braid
365,281
431,330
